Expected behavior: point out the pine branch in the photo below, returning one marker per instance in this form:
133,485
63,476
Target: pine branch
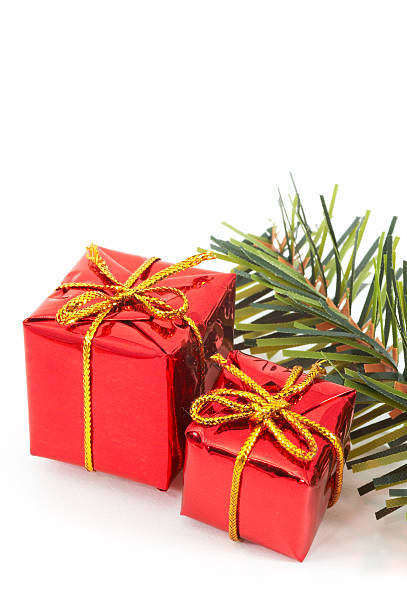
295,301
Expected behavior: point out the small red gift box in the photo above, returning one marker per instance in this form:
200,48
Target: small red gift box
281,499
144,370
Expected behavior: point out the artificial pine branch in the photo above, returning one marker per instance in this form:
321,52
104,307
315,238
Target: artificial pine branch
296,298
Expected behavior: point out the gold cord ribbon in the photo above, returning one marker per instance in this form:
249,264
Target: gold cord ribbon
118,296
264,409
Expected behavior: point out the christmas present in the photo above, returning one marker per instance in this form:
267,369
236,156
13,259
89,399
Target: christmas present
115,356
265,452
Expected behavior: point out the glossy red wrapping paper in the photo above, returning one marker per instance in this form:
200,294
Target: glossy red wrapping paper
282,500
144,373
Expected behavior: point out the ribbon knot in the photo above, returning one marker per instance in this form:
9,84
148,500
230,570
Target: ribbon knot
268,412
264,410
99,300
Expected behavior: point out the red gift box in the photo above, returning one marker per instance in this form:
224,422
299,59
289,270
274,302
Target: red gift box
282,499
144,371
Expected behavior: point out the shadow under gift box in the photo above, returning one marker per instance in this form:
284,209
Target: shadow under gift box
282,500
144,373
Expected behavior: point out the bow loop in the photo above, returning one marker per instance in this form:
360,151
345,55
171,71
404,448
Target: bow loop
159,308
76,309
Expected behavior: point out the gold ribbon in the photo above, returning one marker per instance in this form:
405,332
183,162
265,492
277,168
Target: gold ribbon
118,296
264,410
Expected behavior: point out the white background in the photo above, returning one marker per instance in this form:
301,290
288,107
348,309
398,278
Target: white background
141,126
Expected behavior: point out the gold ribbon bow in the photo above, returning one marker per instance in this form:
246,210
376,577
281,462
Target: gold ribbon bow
265,410
118,296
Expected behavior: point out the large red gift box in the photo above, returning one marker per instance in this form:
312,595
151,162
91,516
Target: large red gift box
144,372
282,499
